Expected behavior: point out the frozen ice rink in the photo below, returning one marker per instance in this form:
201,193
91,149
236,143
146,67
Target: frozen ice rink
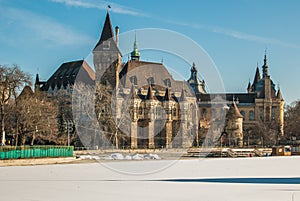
245,179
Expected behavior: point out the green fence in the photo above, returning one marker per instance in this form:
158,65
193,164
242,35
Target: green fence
10,152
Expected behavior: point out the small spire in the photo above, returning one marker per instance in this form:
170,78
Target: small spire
135,54
249,87
279,95
37,79
183,95
265,59
236,110
133,92
256,77
194,68
167,95
150,94
265,66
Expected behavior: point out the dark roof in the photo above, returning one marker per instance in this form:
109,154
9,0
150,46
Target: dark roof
256,78
167,95
150,94
229,97
107,35
143,71
70,72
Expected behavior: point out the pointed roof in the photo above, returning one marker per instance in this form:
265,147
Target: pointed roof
37,79
183,95
167,95
265,66
279,95
256,77
249,86
236,110
149,94
107,34
135,53
133,92
107,31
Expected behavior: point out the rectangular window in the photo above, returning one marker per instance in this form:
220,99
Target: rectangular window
273,113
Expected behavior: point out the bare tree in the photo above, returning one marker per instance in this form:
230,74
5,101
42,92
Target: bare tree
12,79
37,118
292,120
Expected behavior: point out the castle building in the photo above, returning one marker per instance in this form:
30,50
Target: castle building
143,106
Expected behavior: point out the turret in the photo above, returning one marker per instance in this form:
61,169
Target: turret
135,54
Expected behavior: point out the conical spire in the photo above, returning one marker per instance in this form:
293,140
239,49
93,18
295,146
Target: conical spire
256,78
37,79
236,110
135,54
183,95
107,31
150,94
249,87
133,92
279,95
167,95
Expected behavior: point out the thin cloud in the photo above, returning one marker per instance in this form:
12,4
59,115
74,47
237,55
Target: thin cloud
233,33
33,27
101,5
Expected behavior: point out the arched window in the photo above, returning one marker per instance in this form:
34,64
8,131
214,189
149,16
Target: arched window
167,82
133,80
204,112
251,115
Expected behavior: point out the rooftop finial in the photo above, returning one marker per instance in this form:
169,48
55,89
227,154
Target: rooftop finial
265,59
135,54
265,66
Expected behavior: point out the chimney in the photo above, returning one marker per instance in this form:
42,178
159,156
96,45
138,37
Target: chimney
117,35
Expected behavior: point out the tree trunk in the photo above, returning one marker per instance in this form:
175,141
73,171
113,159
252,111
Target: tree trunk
2,121
32,140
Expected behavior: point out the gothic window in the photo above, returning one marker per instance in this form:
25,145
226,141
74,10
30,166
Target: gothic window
158,112
204,112
140,111
167,82
243,114
273,113
251,115
150,80
268,114
133,80
261,113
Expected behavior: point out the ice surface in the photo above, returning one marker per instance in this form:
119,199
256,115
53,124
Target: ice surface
114,181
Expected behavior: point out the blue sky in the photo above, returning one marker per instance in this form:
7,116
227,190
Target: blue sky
39,35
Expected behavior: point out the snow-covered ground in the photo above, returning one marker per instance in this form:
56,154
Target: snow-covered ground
245,179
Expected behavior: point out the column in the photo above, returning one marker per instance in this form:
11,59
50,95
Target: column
133,135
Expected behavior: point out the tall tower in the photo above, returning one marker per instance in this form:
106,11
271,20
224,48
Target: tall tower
197,85
107,56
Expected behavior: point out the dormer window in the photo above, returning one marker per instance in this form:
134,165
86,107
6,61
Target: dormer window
150,80
167,82
133,80
106,45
